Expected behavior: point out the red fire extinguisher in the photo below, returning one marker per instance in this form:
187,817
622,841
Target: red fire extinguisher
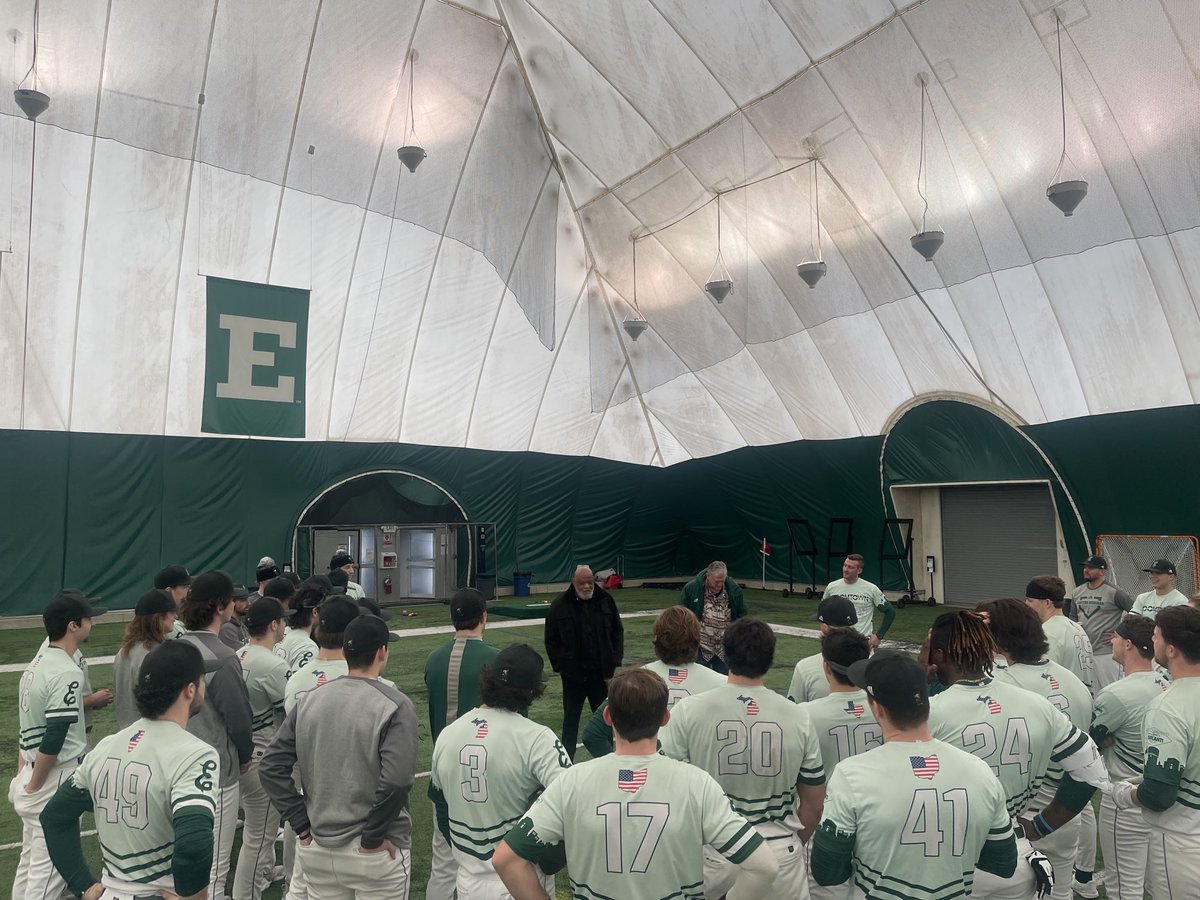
387,585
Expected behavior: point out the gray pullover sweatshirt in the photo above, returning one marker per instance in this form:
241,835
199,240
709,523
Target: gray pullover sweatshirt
224,720
354,740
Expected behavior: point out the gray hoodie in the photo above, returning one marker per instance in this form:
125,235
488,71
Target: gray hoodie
224,720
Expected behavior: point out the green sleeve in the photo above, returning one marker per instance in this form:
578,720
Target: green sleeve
889,616
832,853
440,809
1168,744
999,857
1072,794
598,734
193,854
60,822
1159,788
55,737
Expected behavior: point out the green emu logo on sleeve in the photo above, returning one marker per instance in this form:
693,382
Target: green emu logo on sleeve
255,358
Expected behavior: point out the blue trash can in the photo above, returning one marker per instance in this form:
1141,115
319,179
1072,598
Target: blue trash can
521,583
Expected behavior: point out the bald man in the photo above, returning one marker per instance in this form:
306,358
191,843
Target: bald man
585,642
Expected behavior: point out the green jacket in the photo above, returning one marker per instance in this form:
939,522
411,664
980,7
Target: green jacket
692,596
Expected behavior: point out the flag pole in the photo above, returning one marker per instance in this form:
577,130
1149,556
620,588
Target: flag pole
764,565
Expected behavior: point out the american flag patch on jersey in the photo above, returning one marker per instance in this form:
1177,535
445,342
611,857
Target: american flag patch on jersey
992,704
630,781
1053,681
481,728
854,709
925,766
751,705
321,679
135,740
677,676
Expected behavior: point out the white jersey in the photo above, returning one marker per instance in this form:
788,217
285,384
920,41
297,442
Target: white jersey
1066,692
313,675
808,680
844,725
488,765
266,681
634,826
757,745
51,690
1171,734
298,649
1119,713
1070,647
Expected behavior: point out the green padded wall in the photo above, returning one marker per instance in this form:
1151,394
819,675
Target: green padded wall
104,511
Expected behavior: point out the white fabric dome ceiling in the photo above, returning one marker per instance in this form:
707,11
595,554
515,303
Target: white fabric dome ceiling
487,312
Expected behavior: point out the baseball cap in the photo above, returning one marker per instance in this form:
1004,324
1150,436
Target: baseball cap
519,666
1161,567
893,679
153,602
240,592
366,634
340,580
267,569
171,576
211,587
280,588
336,614
265,610
1096,562
69,605
341,558
370,608
173,664
467,604
837,611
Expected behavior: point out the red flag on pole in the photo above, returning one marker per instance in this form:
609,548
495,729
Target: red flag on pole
765,549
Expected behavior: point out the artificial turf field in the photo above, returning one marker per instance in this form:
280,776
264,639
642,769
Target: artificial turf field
406,668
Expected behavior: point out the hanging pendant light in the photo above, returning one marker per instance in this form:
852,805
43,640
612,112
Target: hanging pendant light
412,154
927,242
635,324
814,270
31,101
719,285
1066,194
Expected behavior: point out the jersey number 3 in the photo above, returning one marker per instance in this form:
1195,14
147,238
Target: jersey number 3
120,793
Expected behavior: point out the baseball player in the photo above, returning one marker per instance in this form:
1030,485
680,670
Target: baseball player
224,720
333,617
266,679
488,763
1020,736
676,638
354,741
865,596
634,821
1097,605
175,580
1169,794
1164,593
1019,635
52,740
344,561
153,789
1117,729
808,678
298,646
916,817
1070,645
763,752
843,721
452,682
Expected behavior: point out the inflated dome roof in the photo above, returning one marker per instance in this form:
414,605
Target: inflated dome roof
478,301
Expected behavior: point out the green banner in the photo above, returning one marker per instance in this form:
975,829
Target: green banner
255,358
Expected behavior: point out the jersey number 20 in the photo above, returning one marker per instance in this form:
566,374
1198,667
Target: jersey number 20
757,749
